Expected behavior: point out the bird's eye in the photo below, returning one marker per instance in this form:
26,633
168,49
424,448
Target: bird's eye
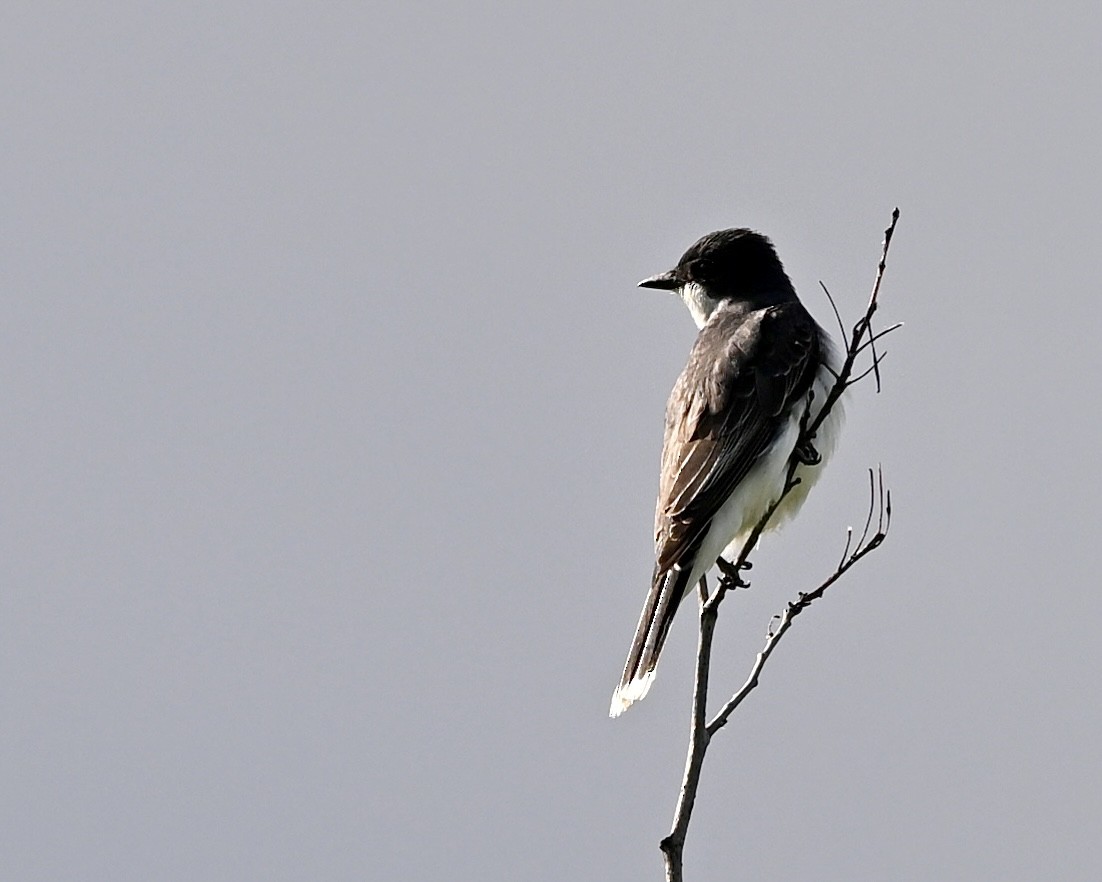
700,269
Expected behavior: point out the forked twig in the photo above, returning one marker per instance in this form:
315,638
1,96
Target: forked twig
880,501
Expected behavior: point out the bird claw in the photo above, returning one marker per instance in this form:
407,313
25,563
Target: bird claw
807,454
732,574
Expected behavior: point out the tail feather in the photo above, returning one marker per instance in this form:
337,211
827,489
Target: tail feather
667,589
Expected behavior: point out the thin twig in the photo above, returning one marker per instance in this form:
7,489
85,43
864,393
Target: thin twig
878,335
872,368
834,306
875,291
859,331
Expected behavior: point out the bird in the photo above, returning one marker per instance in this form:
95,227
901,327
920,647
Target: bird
760,367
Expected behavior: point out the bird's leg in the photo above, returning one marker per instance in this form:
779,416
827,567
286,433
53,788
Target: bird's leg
732,575
805,452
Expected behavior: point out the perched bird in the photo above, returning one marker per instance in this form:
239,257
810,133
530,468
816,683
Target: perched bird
732,424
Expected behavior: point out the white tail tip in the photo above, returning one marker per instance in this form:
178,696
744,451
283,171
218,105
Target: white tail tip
629,693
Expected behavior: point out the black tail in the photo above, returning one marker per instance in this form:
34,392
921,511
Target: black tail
667,589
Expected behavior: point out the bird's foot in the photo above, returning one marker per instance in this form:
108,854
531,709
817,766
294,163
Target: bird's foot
732,574
807,454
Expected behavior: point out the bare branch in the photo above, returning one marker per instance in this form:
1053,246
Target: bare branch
834,306
702,589
673,845
864,546
875,292
878,335
862,329
872,502
849,541
873,368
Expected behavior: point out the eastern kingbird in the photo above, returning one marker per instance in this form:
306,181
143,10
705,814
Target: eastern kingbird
732,424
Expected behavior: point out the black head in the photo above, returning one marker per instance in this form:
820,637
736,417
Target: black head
728,263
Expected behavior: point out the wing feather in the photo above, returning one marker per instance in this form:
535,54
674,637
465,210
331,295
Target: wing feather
726,409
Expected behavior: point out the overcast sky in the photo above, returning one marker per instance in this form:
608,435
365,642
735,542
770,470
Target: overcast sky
332,414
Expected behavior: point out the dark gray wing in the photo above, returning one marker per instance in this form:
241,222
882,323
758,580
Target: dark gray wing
744,374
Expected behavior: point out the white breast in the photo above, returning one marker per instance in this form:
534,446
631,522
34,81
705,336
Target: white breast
700,305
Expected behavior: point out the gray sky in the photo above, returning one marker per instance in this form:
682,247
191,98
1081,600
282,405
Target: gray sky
332,419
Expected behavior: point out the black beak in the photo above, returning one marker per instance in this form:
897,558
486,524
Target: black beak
664,281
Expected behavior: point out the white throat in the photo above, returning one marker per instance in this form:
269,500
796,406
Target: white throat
701,306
